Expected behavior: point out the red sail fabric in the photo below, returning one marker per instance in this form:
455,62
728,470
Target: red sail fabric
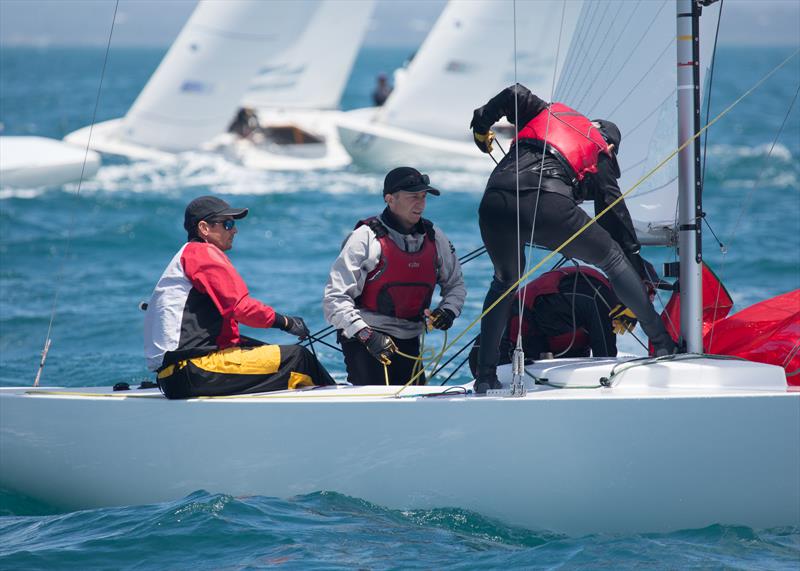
717,304
767,332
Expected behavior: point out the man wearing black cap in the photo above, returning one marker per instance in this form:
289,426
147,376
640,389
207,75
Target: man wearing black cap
192,335
563,158
379,291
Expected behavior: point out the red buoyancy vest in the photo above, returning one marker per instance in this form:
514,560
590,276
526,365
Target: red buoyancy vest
402,283
547,284
571,134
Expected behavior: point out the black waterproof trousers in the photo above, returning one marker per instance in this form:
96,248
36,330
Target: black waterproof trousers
364,369
558,217
256,368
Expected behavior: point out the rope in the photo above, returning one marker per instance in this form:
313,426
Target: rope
622,196
60,273
521,303
745,204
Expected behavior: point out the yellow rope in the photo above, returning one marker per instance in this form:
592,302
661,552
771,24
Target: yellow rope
569,240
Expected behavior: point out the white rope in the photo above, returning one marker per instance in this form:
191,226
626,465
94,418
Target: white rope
68,240
521,302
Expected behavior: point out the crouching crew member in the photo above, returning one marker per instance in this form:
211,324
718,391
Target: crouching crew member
568,312
380,287
192,335
579,161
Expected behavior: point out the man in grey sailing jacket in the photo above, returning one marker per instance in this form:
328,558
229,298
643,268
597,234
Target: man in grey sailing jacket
380,288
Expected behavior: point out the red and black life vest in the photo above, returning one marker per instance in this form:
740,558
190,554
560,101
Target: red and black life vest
571,135
548,284
402,283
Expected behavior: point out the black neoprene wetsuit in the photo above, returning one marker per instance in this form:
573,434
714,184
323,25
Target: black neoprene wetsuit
558,217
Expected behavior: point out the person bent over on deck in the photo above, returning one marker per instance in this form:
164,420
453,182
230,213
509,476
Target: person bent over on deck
579,161
568,312
192,335
380,287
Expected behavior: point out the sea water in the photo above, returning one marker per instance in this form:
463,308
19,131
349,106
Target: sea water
85,257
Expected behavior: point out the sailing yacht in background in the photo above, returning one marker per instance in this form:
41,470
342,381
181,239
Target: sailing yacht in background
467,57
245,52
35,162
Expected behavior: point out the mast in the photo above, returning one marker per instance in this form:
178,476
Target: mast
690,207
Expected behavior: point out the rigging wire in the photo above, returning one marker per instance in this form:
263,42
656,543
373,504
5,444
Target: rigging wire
521,300
68,240
746,204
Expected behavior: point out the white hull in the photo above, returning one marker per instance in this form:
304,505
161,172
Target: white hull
258,154
670,446
32,162
381,147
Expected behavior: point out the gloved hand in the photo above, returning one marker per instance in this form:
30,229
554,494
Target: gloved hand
292,325
623,319
378,344
484,141
439,318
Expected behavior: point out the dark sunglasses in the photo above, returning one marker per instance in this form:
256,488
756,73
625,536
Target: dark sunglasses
227,224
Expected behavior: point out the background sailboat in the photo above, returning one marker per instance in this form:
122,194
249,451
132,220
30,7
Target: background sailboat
467,58
204,79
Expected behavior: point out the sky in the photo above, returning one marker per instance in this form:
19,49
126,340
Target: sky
394,23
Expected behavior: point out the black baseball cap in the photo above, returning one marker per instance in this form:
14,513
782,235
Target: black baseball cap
207,207
610,133
407,179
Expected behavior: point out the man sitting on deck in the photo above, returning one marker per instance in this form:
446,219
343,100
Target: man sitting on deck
191,333
380,287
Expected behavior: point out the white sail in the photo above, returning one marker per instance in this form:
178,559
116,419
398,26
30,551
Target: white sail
312,74
469,56
194,93
621,67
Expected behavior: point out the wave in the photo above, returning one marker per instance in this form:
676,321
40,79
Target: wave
215,173
732,152
330,530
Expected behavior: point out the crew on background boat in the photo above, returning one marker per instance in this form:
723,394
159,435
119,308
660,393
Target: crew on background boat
565,313
579,162
245,123
379,291
191,335
382,90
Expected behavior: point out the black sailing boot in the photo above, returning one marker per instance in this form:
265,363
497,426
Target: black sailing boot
486,379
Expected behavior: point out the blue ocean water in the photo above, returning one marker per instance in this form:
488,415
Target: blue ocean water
101,251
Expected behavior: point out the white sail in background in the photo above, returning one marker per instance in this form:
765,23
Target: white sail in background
621,67
469,56
312,74
196,90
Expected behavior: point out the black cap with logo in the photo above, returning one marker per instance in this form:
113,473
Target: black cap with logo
407,179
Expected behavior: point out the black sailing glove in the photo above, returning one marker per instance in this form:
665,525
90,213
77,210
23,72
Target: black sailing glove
292,325
441,318
378,344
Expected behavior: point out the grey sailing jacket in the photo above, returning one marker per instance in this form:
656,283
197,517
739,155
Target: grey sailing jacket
359,256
